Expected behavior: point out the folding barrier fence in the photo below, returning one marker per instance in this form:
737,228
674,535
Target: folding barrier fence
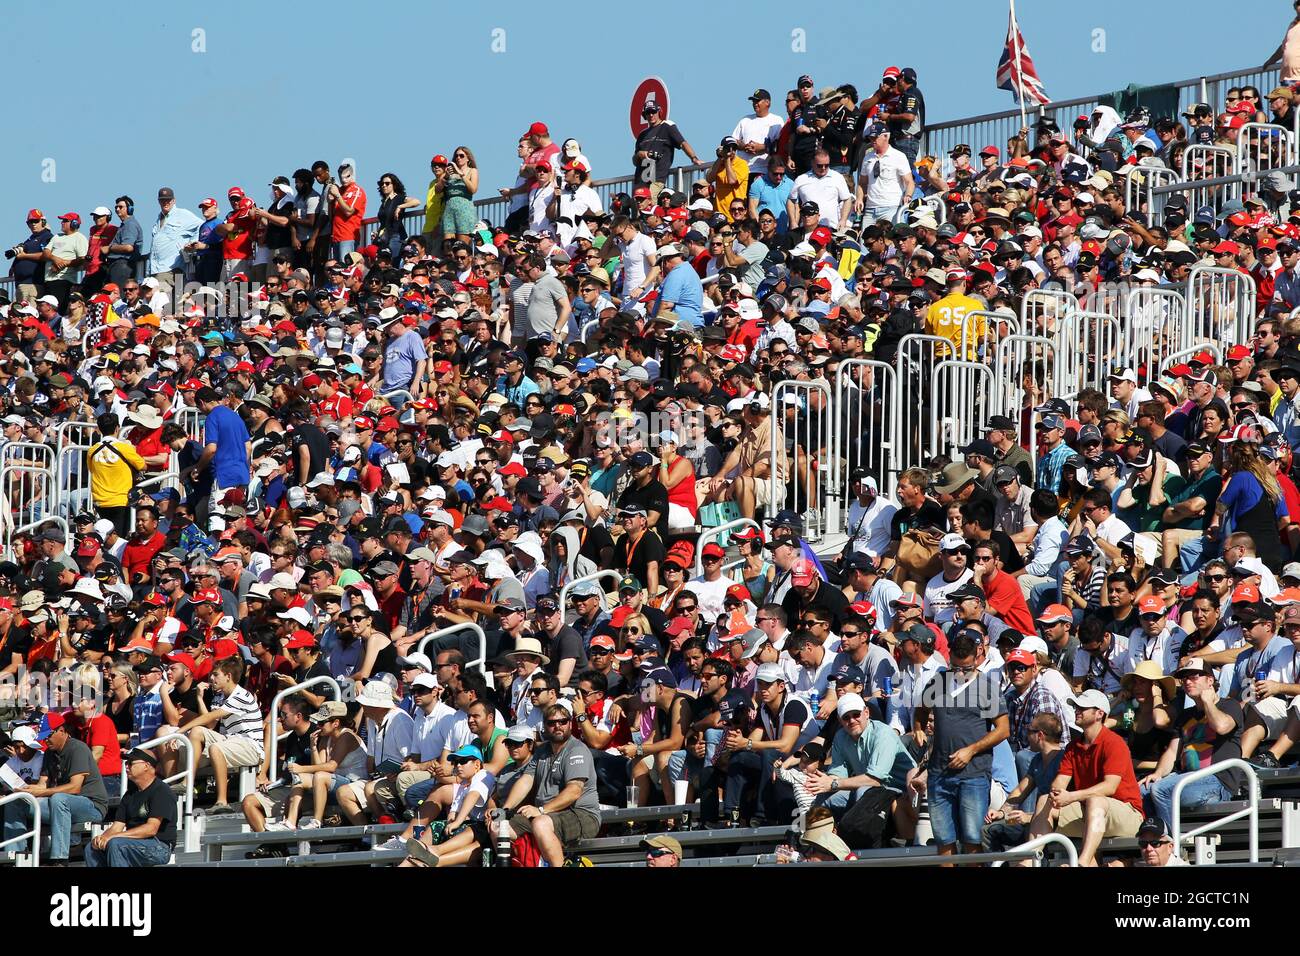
1154,330
866,425
799,469
914,419
1042,310
959,392
28,492
1264,146
481,660
1087,346
1024,373
997,325
1220,306
1182,355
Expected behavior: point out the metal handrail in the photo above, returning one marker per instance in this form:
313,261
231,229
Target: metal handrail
34,832
1251,810
274,753
185,825
594,576
480,662
709,533
1031,849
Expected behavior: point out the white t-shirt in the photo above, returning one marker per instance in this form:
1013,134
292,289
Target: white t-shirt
755,129
887,174
634,256
938,607
710,595
479,784
829,192
811,679
538,200
573,204
868,527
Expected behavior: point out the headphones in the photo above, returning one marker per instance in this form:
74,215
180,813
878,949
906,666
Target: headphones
130,204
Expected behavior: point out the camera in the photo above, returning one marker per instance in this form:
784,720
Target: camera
10,253
652,154
1081,123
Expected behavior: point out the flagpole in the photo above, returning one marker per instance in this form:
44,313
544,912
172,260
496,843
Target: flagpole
1020,87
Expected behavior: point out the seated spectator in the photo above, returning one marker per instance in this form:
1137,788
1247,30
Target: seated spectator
237,741
1008,826
143,831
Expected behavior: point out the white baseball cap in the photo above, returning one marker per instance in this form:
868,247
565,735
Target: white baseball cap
849,703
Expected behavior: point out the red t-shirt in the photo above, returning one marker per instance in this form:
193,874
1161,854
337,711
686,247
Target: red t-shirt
149,443
138,554
347,228
1007,602
100,732
337,407
391,606
1088,765
238,244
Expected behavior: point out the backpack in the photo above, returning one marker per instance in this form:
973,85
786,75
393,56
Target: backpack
864,826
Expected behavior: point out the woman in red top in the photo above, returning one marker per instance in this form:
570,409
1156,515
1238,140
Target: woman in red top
146,436
95,728
677,475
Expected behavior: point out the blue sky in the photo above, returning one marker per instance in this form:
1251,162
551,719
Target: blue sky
394,83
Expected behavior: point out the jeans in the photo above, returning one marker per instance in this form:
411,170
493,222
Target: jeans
341,249
612,778
683,766
839,801
126,851
873,214
1000,836
1159,797
908,146
1196,552
957,808
417,793
59,812
774,799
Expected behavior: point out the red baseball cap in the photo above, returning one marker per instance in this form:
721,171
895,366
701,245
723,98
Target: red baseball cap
803,573
990,151
182,658
748,534
820,236
738,592
189,385
88,548
1019,656
1245,594
620,615
891,72
441,368
641,192
1054,614
603,641
906,599
1237,353
224,648
299,639
206,596
538,129
1151,605
244,367
1203,357
514,468
713,550
821,282
362,423
34,214
139,644
498,503
387,425
863,609
1226,248
311,380
6,603
438,160
207,202
157,599
234,191
679,625
502,435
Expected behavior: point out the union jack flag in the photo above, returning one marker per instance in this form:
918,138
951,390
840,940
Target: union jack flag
1016,71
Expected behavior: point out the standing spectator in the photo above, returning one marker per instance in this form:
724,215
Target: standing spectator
756,134
970,719
825,188
884,182
125,247
459,184
101,235
656,146
27,270
65,259
206,248
347,211
770,192
174,229
226,442
143,831
729,176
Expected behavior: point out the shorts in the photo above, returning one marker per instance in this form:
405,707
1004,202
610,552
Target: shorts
1122,819
957,808
273,801
763,492
238,751
570,825
339,781
458,217
1272,712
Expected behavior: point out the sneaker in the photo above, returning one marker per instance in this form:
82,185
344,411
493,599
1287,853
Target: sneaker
310,823
278,826
266,852
394,843
1265,760
219,810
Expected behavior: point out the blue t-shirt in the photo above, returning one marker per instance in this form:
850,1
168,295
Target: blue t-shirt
773,197
1242,493
400,358
226,430
1276,654
683,288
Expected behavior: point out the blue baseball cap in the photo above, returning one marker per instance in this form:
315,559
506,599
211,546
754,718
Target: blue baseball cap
468,751
586,365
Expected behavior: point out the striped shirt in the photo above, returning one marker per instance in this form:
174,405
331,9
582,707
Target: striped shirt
1022,709
147,716
244,717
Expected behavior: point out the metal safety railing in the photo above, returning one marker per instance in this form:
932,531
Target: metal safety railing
1250,811
1220,306
807,468
959,395
274,753
708,534
185,829
865,427
595,576
1032,850
34,834
480,662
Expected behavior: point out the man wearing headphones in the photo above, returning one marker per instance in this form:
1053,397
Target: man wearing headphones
122,253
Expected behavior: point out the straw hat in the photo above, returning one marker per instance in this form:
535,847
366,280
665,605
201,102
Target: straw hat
1152,672
528,645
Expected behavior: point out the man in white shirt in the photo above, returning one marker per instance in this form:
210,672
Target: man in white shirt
752,132
539,200
885,181
710,588
572,201
869,514
955,554
638,256
1125,394
826,188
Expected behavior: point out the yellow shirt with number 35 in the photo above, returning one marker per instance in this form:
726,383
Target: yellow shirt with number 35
946,317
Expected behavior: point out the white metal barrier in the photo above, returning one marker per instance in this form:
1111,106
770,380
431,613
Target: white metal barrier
1087,346
274,715
865,428
807,468
1020,358
1220,306
1042,310
959,393
1182,355
29,492
997,325
914,364
1155,318
185,828
481,661
708,534
1251,810
587,329
1210,162
73,475
192,421
1139,186
34,858
1031,850
1264,146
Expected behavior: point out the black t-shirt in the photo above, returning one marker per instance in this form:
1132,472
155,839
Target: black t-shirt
319,669
318,446
828,598
930,515
567,643
295,749
18,641
1007,551
637,558
663,140
1196,735
652,497
280,237
186,699
156,800
594,540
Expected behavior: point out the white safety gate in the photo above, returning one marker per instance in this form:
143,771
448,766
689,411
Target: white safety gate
866,423
1020,359
1043,310
1221,307
1154,329
28,492
800,478
913,371
959,393
1086,348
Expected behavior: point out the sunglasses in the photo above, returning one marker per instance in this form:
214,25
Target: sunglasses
358,618
658,853
558,722
1147,844
534,691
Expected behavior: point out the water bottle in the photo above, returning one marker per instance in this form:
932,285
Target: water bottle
814,700
887,686
503,847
